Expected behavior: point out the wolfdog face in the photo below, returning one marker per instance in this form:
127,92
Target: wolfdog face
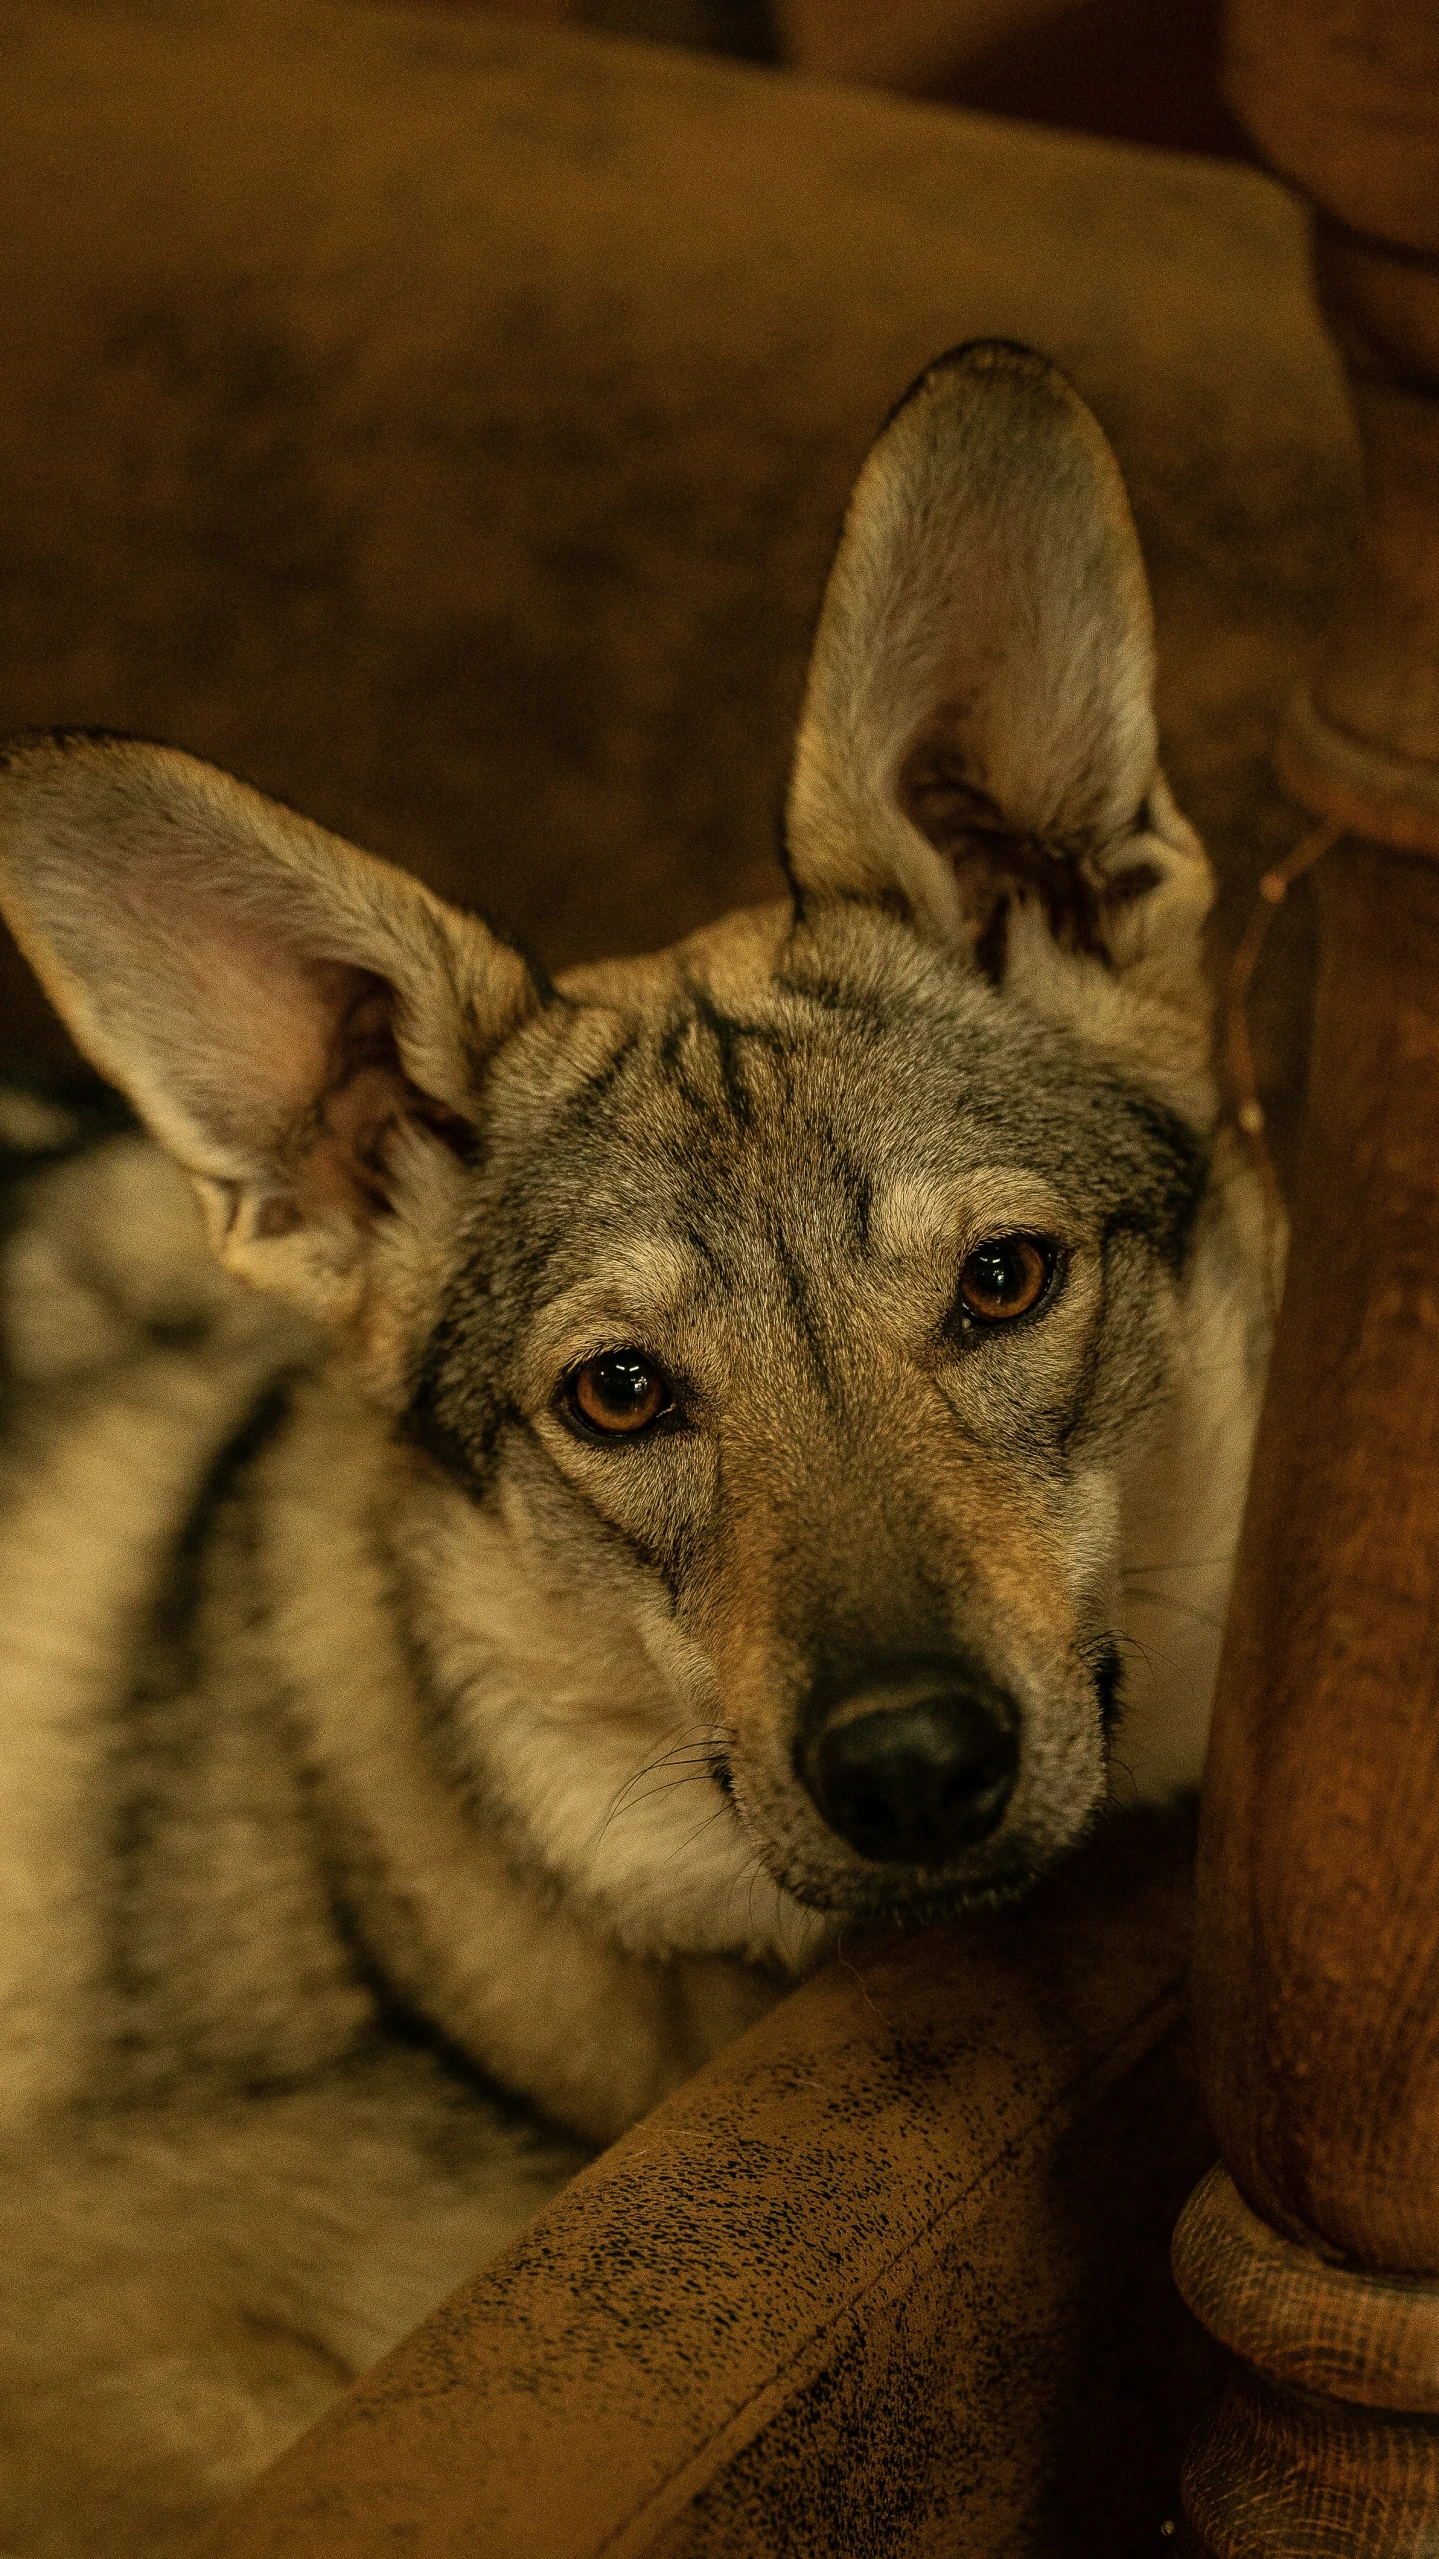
760,1331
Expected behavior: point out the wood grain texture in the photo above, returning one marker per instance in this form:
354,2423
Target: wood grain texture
1273,2475
1317,1987
1308,2325
1317,1966
1326,2440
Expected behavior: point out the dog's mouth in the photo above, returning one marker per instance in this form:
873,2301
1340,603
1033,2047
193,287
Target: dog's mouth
910,1897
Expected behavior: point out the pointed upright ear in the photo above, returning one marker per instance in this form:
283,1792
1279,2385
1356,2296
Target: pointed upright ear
288,1015
978,733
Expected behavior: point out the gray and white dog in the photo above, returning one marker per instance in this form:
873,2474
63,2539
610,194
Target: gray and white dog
658,1467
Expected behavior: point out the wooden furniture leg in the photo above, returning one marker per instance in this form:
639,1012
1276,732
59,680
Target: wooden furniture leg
1312,2252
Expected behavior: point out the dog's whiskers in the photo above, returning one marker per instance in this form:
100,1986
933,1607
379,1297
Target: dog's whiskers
688,1747
751,1869
667,1786
700,1827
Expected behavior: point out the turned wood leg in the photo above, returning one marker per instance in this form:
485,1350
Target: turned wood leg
1312,2253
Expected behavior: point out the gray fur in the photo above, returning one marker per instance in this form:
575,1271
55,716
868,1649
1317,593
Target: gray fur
406,1782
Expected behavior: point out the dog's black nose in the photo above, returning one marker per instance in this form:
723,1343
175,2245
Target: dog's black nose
915,1784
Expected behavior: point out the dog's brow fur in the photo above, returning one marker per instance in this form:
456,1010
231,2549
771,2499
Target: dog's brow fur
407,1781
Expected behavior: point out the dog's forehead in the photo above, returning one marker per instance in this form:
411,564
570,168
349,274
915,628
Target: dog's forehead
712,1098
853,1083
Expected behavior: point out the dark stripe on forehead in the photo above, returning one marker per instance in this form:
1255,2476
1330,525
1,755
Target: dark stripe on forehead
730,1037
864,1007
726,1035
679,1068
692,1234
796,1288
853,1181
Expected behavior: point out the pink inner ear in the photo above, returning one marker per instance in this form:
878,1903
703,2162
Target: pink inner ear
294,1061
257,1015
335,1151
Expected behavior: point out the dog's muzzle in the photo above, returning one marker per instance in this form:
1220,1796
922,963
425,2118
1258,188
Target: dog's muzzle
914,1766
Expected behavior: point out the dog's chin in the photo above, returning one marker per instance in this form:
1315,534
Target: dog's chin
858,1892
895,1898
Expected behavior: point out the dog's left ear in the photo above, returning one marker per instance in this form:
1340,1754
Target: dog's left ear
978,745
304,1028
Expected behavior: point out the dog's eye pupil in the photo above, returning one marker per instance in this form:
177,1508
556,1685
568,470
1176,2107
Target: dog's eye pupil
621,1391
1004,1278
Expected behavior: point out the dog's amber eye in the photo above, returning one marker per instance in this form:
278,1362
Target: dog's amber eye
621,1391
1004,1277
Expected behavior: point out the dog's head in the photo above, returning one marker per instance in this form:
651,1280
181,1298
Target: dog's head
790,1299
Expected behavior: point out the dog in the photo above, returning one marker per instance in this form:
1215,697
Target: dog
529,1508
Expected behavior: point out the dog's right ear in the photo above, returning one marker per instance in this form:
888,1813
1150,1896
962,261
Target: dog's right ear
289,1016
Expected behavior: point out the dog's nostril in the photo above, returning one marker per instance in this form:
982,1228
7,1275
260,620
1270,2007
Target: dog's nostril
914,1785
